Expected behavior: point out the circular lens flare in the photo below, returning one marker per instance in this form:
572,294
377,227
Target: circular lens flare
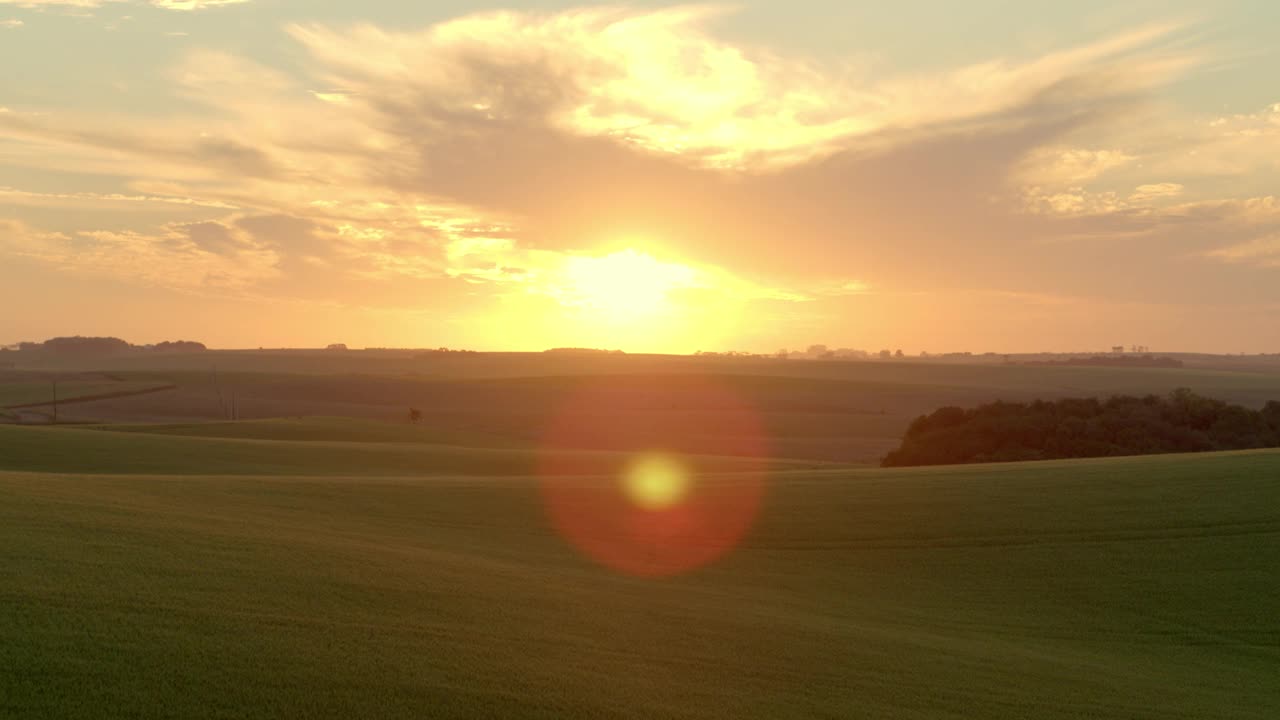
655,482
653,513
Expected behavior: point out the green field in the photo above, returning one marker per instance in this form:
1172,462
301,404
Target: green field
323,557
93,450
313,429
1130,588
33,392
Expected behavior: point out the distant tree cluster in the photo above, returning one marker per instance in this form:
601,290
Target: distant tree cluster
85,345
178,346
95,346
445,351
1114,361
1085,427
581,351
734,354
822,352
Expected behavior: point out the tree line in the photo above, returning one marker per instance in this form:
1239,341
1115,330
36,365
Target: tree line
1085,427
78,345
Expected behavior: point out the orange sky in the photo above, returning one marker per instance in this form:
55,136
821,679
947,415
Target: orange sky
655,179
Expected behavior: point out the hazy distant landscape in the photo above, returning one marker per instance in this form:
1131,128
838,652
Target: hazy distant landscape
828,410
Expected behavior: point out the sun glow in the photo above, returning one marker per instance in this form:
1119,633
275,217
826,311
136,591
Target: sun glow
625,284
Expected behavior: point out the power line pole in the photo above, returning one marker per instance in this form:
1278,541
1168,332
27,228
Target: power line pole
217,389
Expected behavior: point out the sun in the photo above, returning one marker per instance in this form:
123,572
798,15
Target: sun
625,284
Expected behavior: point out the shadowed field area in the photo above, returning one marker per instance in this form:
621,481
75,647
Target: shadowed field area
835,411
38,389
1124,588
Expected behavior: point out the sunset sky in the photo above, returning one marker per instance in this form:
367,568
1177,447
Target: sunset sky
1003,176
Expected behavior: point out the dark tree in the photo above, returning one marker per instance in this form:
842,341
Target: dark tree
1271,413
1085,427
180,346
85,345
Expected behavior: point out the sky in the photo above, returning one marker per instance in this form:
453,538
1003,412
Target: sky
931,176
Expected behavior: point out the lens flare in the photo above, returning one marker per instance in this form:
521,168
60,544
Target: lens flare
667,507
655,482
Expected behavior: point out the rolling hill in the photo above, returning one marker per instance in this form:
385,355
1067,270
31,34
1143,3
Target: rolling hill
852,412
1120,588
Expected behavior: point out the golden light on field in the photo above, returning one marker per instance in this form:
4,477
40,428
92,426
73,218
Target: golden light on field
655,481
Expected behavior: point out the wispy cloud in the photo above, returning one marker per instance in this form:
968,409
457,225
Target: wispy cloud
1069,166
58,3
173,258
1145,194
165,4
14,196
194,4
660,81
1264,251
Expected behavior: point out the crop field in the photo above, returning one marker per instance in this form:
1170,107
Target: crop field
77,450
322,556
223,582
849,412
30,389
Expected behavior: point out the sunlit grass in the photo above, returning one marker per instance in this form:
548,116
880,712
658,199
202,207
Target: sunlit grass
1106,589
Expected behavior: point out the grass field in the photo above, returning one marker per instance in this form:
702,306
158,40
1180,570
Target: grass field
1129,588
326,558
84,450
315,429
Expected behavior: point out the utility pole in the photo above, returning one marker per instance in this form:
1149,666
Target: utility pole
217,389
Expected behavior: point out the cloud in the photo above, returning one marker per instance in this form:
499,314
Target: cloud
420,111
1144,194
1241,146
164,4
172,258
1078,200
486,158
57,3
10,24
1264,251
194,4
659,81
1069,166
14,196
